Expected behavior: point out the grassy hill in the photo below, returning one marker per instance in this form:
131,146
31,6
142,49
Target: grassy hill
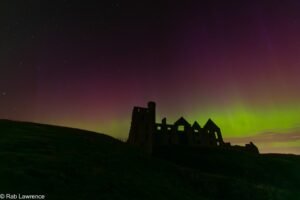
66,163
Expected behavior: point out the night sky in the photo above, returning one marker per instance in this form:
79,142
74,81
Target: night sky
85,64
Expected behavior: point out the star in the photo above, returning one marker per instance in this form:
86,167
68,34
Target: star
4,93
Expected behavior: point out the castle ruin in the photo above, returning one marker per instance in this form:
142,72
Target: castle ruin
147,134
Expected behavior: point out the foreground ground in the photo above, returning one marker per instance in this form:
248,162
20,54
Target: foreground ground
65,163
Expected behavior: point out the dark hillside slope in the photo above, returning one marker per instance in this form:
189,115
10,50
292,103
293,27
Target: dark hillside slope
66,163
276,173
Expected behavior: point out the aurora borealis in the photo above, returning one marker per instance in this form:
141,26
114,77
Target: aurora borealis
85,65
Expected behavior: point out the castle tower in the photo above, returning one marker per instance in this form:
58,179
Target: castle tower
151,126
143,127
152,112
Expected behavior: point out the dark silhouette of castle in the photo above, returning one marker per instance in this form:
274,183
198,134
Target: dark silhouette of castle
147,134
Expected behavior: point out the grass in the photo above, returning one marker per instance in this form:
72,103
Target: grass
65,163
